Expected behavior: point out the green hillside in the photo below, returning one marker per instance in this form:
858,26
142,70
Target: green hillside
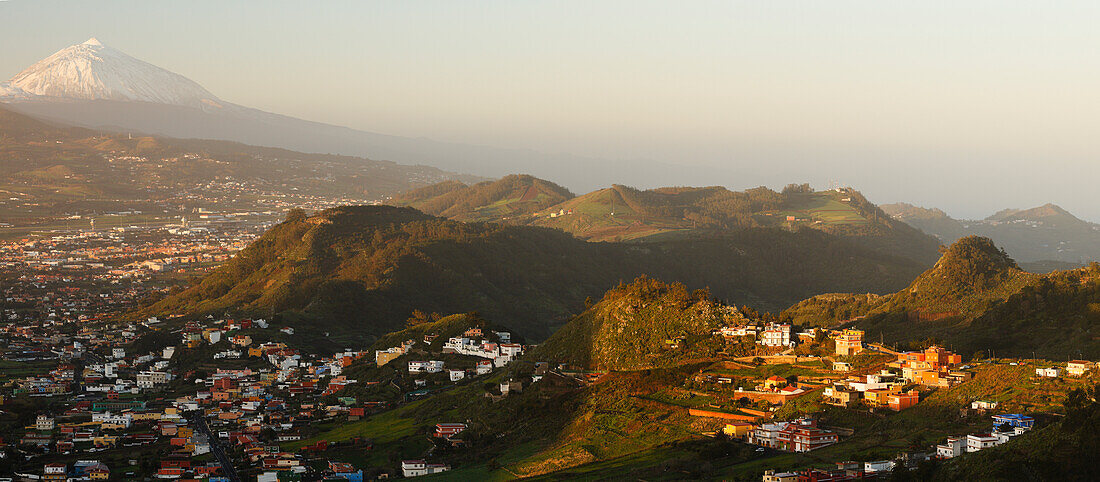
361,271
625,214
1063,450
620,213
501,200
976,299
642,325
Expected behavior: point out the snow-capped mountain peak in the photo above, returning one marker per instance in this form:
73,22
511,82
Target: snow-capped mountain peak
93,71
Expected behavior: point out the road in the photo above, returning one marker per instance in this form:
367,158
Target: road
216,448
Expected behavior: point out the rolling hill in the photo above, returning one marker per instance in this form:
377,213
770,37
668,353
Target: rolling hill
624,214
361,271
501,200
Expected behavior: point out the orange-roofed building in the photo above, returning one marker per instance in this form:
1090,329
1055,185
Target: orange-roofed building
775,382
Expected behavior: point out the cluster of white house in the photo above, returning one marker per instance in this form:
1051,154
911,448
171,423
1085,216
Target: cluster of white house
1074,368
771,334
455,374
471,343
1004,428
501,353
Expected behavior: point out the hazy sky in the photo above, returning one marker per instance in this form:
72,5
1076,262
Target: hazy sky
968,106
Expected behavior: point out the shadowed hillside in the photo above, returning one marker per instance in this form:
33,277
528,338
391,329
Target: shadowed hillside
361,271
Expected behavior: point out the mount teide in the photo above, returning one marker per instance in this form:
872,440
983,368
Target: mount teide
96,86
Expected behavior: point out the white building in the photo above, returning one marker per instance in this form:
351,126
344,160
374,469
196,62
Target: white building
416,468
976,442
44,423
433,366
767,434
954,447
150,379
776,335
983,405
878,466
118,353
1077,368
123,419
456,374
1052,372
511,349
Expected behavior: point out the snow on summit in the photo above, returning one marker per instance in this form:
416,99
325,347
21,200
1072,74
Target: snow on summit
93,71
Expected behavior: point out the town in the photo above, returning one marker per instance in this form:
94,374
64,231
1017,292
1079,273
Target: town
237,399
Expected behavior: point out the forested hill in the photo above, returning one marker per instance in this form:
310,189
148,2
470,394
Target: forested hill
361,271
632,327
624,214
976,299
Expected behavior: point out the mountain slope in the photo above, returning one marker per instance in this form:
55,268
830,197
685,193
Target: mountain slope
105,171
501,200
976,299
93,71
1038,238
361,271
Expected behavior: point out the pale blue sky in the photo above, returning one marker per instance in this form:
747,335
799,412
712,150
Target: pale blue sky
968,106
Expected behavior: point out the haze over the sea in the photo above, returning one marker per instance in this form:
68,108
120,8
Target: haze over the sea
971,107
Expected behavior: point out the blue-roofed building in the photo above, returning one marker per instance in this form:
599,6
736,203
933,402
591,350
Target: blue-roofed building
1014,420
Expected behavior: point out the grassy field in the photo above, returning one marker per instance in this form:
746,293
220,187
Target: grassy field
825,207
11,370
383,428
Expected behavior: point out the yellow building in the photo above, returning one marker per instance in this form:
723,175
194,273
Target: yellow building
145,415
384,357
737,429
849,342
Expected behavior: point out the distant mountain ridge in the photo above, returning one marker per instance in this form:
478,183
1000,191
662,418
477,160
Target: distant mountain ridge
1049,214
623,213
1039,238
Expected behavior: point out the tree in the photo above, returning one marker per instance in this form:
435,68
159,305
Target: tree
803,188
417,318
296,215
